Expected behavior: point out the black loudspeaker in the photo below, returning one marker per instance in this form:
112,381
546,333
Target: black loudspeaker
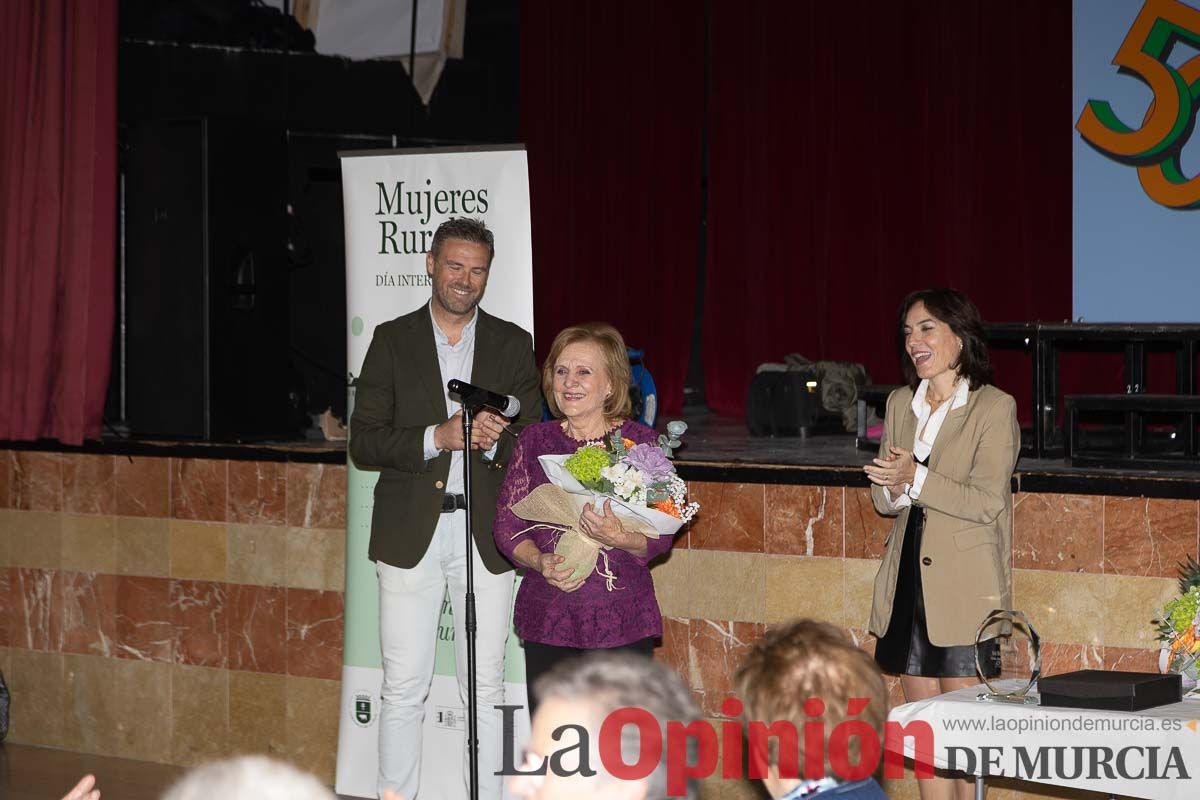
205,282
782,403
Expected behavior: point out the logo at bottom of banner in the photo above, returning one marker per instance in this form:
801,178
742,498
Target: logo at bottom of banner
363,710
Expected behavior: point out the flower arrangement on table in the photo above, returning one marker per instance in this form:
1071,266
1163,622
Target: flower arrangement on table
1179,630
640,479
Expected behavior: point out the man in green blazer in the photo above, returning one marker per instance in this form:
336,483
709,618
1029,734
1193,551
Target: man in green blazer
406,426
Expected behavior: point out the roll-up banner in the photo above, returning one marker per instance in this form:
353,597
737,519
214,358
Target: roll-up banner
394,201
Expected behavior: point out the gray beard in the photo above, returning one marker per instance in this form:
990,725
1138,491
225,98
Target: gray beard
451,304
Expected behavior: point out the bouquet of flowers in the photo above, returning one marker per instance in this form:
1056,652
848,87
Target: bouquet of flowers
1178,629
640,479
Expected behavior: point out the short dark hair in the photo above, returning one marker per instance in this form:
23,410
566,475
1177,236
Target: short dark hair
956,310
605,682
466,229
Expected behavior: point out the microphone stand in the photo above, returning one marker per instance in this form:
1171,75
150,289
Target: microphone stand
470,626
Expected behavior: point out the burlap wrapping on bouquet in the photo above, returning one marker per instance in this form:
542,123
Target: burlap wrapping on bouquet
549,506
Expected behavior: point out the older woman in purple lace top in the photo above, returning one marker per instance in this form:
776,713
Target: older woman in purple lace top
586,383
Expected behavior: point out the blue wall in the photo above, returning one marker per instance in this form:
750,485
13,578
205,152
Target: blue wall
1134,260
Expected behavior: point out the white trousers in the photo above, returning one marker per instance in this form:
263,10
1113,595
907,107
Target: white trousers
410,604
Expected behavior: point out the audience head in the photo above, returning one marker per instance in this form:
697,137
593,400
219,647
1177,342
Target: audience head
959,315
584,692
248,778
604,345
805,659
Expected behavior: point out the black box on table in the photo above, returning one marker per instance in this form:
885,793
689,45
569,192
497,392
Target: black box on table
1110,690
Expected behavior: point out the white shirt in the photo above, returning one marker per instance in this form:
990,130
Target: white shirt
455,362
929,422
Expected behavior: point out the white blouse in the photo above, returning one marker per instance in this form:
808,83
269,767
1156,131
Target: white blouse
928,424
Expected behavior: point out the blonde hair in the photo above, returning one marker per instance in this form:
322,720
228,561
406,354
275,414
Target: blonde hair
616,365
806,659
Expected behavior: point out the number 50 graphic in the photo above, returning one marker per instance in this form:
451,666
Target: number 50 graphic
1154,147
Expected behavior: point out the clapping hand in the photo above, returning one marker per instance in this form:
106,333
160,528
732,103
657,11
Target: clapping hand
894,472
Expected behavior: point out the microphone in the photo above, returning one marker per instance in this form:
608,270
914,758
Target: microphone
476,397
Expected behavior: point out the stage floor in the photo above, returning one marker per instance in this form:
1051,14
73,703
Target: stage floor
715,448
722,449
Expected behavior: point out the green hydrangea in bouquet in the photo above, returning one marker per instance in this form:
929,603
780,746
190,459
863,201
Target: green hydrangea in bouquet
1178,629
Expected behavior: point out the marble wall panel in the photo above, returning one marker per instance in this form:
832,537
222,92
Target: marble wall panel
37,675
1067,608
716,648
87,609
257,628
1130,606
1060,658
316,495
199,624
258,714
9,523
316,558
805,520
36,481
36,622
797,586
1148,537
311,736
8,607
673,649
89,484
89,543
199,714
199,550
727,585
7,460
89,704
866,528
314,633
1130,659
672,584
199,489
257,492
142,729
143,486
1058,532
258,554
731,517
143,546
35,539
144,628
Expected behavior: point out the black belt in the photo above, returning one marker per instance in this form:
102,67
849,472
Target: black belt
453,502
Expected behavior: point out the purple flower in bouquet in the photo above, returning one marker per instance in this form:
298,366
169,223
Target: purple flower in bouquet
651,460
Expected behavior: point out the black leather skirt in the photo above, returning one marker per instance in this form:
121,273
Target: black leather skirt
905,649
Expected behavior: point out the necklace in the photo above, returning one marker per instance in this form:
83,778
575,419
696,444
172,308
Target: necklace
594,441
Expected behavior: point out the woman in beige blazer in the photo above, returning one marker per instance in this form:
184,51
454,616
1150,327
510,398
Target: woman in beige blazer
944,469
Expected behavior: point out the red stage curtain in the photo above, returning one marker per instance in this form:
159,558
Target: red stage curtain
612,108
859,151
57,215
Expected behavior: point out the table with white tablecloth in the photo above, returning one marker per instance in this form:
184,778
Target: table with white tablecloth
1150,754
